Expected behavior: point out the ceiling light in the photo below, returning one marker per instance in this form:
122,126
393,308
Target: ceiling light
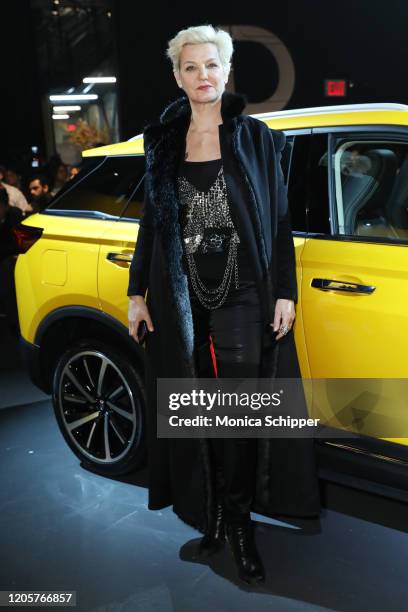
72,97
60,116
57,109
101,79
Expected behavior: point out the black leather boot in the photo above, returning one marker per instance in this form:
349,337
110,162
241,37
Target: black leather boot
241,540
214,540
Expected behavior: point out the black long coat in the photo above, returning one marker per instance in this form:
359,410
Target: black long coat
179,469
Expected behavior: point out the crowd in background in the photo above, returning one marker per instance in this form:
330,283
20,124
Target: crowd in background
32,193
20,197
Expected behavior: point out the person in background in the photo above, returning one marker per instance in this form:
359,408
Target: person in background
13,178
61,177
15,197
73,171
9,217
39,189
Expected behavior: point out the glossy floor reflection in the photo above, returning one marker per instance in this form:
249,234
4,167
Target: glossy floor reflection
63,527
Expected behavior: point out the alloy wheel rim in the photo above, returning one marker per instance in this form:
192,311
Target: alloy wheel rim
97,406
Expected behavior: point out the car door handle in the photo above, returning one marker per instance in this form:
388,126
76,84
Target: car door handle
120,257
326,284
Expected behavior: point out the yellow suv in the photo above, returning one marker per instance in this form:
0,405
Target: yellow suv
347,174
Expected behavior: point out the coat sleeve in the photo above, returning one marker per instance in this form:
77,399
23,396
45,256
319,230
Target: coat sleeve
286,259
140,265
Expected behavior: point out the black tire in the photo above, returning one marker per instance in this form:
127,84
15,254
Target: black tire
111,439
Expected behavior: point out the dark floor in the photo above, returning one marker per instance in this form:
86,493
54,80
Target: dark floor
62,527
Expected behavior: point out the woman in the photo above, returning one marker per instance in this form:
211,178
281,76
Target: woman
216,254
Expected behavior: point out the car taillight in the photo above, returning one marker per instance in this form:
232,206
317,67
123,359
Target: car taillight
25,236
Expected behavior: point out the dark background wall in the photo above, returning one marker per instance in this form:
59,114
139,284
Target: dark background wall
20,99
364,41
41,54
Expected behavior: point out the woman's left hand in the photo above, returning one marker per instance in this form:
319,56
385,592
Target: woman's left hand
284,317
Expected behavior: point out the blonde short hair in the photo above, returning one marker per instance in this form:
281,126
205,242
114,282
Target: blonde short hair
197,35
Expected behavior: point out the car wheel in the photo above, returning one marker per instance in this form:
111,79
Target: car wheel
99,398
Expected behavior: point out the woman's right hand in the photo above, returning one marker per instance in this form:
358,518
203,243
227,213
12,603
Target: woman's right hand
138,312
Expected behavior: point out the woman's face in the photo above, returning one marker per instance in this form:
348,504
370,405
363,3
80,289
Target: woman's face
62,174
201,73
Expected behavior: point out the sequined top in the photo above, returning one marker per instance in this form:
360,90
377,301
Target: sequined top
203,184
205,210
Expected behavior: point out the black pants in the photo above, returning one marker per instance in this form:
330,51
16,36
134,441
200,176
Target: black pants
236,332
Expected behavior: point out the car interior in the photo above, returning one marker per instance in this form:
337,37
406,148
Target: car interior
372,189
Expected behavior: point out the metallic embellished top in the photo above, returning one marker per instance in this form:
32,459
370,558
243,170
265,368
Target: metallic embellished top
208,228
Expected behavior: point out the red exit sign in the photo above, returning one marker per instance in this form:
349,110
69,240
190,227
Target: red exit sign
336,88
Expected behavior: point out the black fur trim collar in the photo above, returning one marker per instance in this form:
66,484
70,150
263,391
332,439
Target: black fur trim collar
232,104
177,115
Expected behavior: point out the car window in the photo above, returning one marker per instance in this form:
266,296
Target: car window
317,189
292,160
286,156
105,189
297,179
134,207
371,186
